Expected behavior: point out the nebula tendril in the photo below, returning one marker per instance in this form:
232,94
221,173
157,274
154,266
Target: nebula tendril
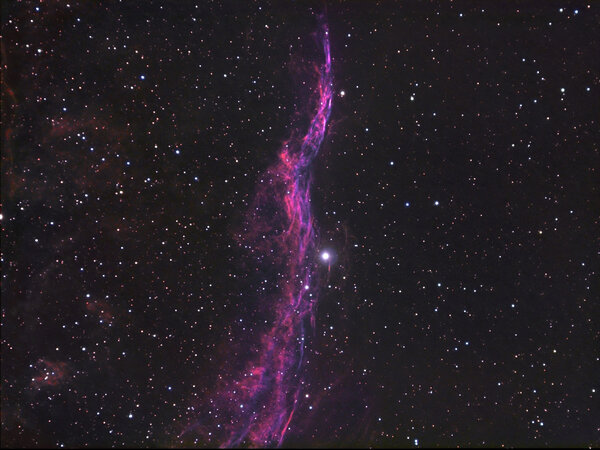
257,407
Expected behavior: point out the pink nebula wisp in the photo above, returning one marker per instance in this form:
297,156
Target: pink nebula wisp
257,408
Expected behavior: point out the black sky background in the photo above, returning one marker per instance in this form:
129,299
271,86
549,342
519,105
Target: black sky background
457,189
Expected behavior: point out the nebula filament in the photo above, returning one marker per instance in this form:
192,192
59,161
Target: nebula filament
272,385
256,408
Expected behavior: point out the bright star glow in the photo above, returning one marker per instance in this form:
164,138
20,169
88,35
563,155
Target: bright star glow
325,256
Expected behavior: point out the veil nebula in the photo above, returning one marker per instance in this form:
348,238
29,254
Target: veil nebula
256,408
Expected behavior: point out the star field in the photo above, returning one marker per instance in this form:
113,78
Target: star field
441,255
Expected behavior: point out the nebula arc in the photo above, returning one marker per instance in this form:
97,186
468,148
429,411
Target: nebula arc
275,381
258,407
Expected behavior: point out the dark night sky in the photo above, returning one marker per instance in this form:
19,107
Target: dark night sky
456,189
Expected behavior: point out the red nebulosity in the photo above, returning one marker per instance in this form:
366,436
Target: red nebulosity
51,373
258,408
100,309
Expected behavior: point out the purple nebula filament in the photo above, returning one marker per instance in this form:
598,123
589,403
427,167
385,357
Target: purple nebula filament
257,407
